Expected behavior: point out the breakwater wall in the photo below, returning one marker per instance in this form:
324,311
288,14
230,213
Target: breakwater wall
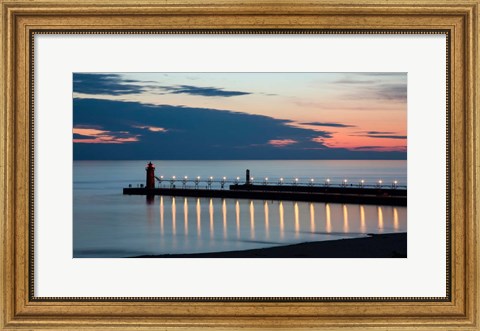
356,195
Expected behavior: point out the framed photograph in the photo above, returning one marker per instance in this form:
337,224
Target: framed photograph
254,165
310,162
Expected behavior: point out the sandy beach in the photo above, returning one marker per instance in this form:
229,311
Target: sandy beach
392,245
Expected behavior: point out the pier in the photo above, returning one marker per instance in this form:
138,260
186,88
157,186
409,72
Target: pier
278,189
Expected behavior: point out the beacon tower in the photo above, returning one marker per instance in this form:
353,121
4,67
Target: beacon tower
150,183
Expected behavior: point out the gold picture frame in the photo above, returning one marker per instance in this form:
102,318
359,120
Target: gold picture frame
22,19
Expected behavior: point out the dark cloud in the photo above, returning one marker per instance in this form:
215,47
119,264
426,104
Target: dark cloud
387,136
114,84
392,92
375,86
367,147
88,127
203,91
80,136
329,124
339,106
370,77
380,132
109,84
379,91
199,133
355,81
379,148
269,94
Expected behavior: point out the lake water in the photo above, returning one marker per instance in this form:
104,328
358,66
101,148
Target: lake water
107,223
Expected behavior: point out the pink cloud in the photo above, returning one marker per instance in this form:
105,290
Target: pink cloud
88,131
319,140
281,142
97,136
151,128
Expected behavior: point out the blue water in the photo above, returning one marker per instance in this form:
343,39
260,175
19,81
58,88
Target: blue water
107,223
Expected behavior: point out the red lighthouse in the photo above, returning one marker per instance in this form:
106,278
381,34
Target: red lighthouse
150,175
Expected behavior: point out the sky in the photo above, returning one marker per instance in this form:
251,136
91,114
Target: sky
228,116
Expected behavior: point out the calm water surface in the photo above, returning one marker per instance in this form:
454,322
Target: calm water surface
107,223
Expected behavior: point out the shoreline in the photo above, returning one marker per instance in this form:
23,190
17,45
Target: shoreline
391,245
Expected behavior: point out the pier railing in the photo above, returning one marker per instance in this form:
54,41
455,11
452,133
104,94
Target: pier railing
224,182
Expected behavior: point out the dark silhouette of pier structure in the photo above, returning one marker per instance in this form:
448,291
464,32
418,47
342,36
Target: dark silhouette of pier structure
271,189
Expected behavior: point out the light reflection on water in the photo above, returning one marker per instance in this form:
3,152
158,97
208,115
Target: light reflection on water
252,220
162,216
185,215
199,218
345,219
328,218
245,224
380,219
267,227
